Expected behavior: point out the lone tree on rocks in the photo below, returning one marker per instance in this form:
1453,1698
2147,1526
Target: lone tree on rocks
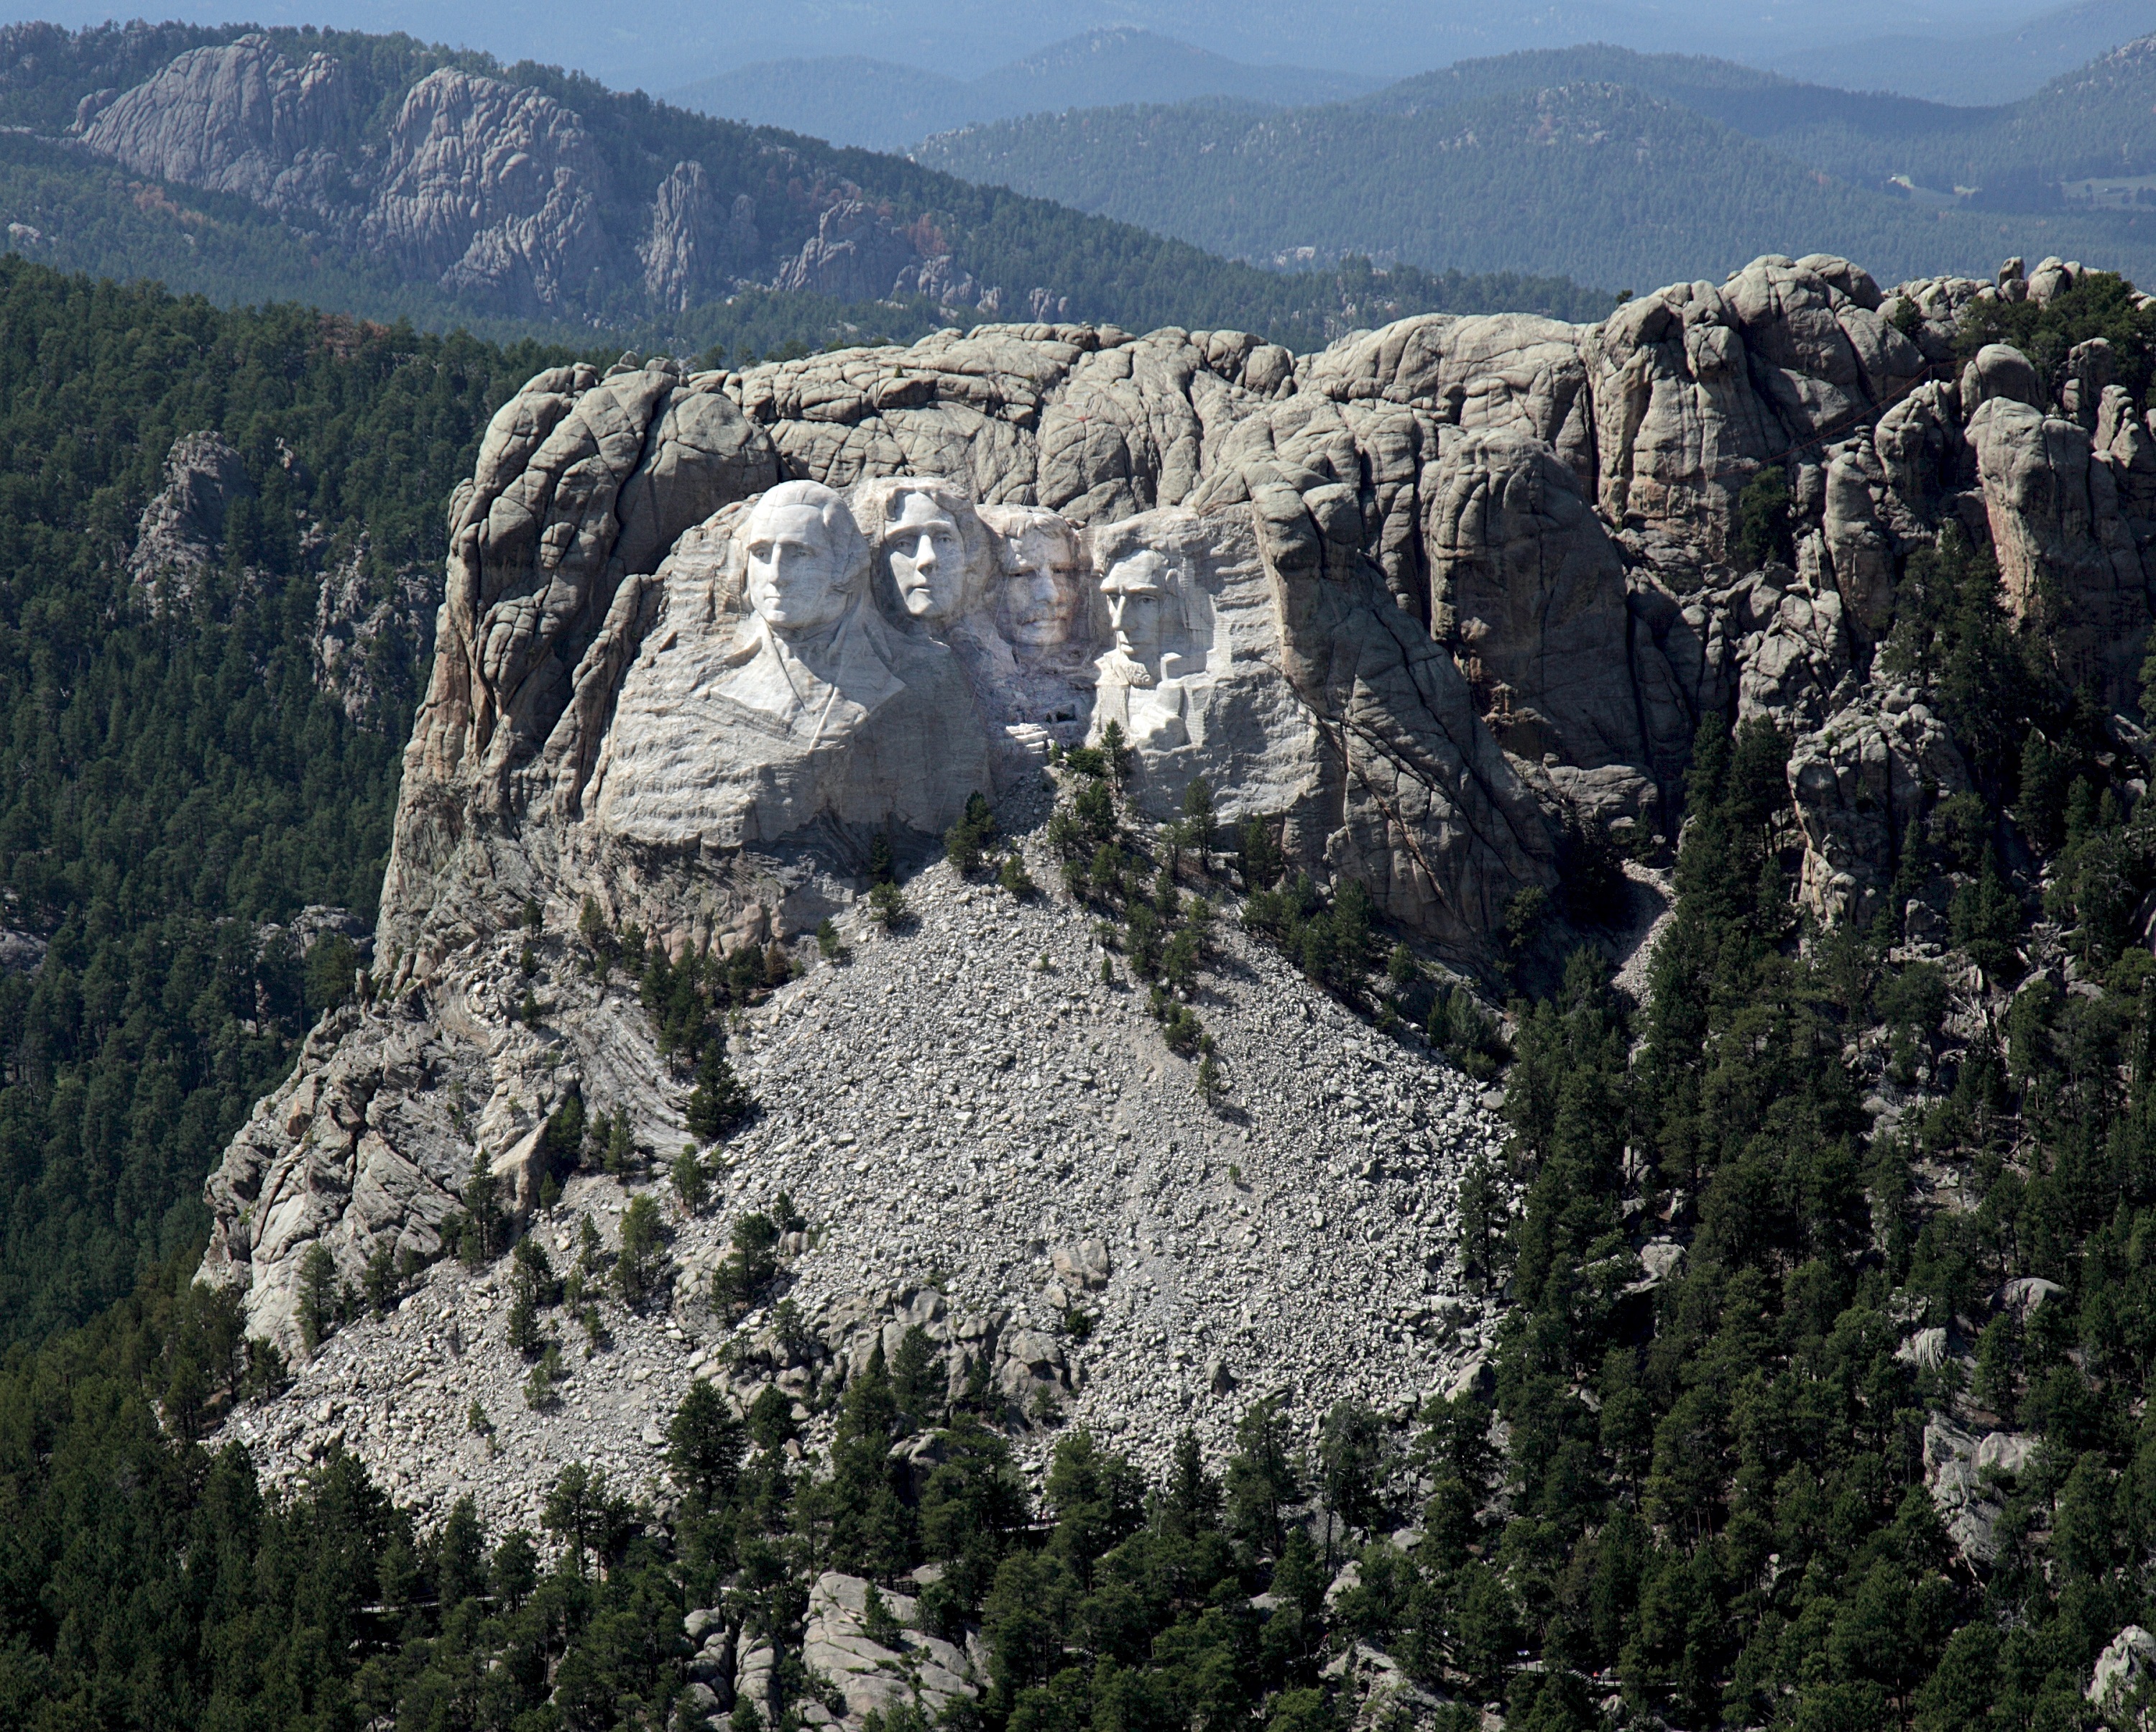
966,840
704,1444
643,1259
317,1297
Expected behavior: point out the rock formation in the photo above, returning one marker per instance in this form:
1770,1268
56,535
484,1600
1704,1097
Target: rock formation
487,186
239,120
1427,605
182,527
497,191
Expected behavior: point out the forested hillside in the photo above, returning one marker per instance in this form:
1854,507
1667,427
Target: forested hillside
1600,181
177,779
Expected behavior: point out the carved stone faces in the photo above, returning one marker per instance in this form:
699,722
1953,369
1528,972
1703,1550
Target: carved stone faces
1042,596
927,557
1142,608
806,561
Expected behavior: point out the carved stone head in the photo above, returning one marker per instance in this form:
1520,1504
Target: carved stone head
806,560
1143,607
1042,596
928,536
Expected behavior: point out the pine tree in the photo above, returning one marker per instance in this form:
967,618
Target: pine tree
720,1103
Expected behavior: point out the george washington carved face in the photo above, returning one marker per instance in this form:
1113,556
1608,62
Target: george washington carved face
807,561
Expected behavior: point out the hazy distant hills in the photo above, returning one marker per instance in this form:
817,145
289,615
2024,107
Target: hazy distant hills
883,105
1973,65
1611,166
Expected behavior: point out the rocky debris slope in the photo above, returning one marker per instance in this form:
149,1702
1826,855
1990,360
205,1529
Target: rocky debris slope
983,1140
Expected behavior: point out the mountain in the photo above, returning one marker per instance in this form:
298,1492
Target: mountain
2094,120
1974,66
665,43
1596,163
848,1193
399,180
882,105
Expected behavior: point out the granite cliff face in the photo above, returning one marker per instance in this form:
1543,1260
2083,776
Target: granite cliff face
1431,606
496,191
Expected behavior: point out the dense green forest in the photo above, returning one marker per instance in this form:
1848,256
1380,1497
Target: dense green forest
173,782
1604,182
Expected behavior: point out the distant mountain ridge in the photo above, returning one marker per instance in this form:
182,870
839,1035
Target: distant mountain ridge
881,105
1995,66
1610,165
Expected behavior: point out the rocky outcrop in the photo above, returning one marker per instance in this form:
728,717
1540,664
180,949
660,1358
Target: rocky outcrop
21,953
2067,560
923,1671
1696,386
373,632
182,531
1856,784
1964,1472
697,241
855,254
1528,592
2119,1683
239,119
487,186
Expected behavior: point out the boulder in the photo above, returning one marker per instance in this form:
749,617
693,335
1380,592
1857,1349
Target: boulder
1999,370
2119,1682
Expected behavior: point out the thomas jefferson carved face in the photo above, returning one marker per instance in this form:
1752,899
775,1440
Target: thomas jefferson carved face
806,560
1037,608
927,558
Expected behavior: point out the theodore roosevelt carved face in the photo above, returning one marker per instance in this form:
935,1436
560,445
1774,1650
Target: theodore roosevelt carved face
807,561
1038,606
